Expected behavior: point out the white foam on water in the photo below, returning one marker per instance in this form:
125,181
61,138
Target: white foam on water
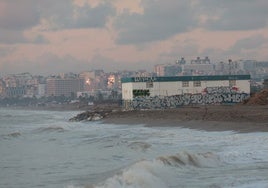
141,174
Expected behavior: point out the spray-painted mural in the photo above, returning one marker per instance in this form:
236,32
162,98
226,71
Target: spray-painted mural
213,95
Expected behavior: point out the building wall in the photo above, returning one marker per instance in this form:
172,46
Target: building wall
127,91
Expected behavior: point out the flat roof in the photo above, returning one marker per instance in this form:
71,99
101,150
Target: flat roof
185,78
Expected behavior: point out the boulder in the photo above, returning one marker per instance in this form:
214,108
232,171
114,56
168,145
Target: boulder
89,116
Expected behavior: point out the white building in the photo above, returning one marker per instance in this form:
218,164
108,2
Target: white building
138,91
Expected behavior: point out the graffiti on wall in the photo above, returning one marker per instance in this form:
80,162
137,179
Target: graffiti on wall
221,95
222,89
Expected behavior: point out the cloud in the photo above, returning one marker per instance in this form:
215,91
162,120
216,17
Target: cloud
233,15
187,49
11,37
249,48
45,64
252,42
159,21
18,15
109,65
39,39
5,51
65,14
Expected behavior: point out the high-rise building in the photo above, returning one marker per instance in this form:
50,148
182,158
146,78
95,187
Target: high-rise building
64,86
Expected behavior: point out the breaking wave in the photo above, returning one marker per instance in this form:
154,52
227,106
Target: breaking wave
198,160
155,173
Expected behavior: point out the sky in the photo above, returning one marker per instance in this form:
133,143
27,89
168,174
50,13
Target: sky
54,36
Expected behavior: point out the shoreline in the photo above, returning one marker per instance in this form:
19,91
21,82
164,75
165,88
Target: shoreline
239,118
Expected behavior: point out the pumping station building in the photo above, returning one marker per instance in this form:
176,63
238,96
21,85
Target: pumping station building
172,92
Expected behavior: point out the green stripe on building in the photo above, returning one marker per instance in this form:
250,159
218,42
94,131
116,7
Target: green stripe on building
185,78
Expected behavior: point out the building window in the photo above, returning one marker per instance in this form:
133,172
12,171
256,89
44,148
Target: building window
232,83
185,84
197,83
149,84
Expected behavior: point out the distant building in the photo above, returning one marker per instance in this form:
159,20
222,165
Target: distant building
64,87
41,90
168,69
162,92
198,66
94,80
15,91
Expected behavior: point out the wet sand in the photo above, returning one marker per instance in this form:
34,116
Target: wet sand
239,118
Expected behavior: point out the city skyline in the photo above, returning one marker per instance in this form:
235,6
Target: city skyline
47,37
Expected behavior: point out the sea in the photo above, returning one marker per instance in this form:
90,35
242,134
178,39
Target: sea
43,149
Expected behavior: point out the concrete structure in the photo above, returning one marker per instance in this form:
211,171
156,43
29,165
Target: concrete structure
67,86
139,92
198,66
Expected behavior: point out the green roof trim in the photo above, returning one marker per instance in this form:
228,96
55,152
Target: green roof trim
185,78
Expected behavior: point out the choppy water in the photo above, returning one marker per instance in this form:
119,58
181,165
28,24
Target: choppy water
43,149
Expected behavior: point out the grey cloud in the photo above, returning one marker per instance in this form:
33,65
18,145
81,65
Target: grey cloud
160,20
253,42
17,37
244,48
247,45
234,15
64,14
12,37
19,15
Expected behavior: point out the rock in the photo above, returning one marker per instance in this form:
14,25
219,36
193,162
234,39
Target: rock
89,116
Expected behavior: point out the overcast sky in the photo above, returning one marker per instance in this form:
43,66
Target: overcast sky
52,36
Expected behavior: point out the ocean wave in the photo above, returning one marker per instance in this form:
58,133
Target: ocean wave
139,146
6,116
11,135
156,173
51,129
207,159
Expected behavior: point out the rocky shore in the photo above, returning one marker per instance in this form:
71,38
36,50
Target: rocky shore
212,118
242,118
251,116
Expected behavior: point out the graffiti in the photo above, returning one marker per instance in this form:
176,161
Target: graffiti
160,102
210,95
221,89
141,92
144,79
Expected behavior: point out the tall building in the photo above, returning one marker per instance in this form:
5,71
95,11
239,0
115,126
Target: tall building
64,86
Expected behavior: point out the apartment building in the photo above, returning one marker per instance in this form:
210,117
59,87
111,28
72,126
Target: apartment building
64,86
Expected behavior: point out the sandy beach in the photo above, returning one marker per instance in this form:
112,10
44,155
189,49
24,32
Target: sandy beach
240,118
